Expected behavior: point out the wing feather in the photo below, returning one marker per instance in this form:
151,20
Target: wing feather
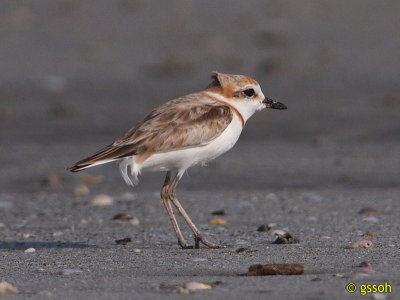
185,122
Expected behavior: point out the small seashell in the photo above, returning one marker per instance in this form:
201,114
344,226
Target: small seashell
30,250
370,233
217,221
371,219
277,232
286,238
194,286
81,190
102,200
7,288
124,241
122,217
134,221
361,244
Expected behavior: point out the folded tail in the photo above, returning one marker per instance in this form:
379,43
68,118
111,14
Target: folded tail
105,155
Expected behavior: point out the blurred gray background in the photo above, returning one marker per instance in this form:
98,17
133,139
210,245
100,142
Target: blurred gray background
75,75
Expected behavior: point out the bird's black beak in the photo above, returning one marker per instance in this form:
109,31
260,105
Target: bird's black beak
269,103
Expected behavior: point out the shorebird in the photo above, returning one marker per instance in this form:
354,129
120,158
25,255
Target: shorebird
184,132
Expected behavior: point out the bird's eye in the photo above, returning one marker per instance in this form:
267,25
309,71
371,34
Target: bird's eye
249,92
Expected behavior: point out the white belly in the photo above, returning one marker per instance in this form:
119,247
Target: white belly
185,158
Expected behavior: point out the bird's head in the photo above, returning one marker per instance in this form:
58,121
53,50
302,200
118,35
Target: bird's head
243,92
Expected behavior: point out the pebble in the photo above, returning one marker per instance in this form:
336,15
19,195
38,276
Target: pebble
244,250
134,221
7,288
361,244
30,250
124,241
81,190
122,217
137,250
369,212
263,227
370,233
125,218
316,279
194,286
275,269
217,221
312,219
286,238
220,212
102,200
365,264
241,250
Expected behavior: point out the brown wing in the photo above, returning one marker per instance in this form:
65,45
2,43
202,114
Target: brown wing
182,123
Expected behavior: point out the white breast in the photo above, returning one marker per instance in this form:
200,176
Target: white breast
185,158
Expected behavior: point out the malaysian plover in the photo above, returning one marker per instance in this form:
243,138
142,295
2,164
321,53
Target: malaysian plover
184,132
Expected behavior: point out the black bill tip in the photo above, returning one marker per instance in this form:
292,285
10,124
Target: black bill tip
270,103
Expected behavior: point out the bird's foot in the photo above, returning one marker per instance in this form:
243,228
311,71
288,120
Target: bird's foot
185,245
202,239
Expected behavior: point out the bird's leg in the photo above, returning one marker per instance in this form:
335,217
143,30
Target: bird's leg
198,236
167,204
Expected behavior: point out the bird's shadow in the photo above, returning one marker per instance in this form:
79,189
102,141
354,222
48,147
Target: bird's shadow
39,244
